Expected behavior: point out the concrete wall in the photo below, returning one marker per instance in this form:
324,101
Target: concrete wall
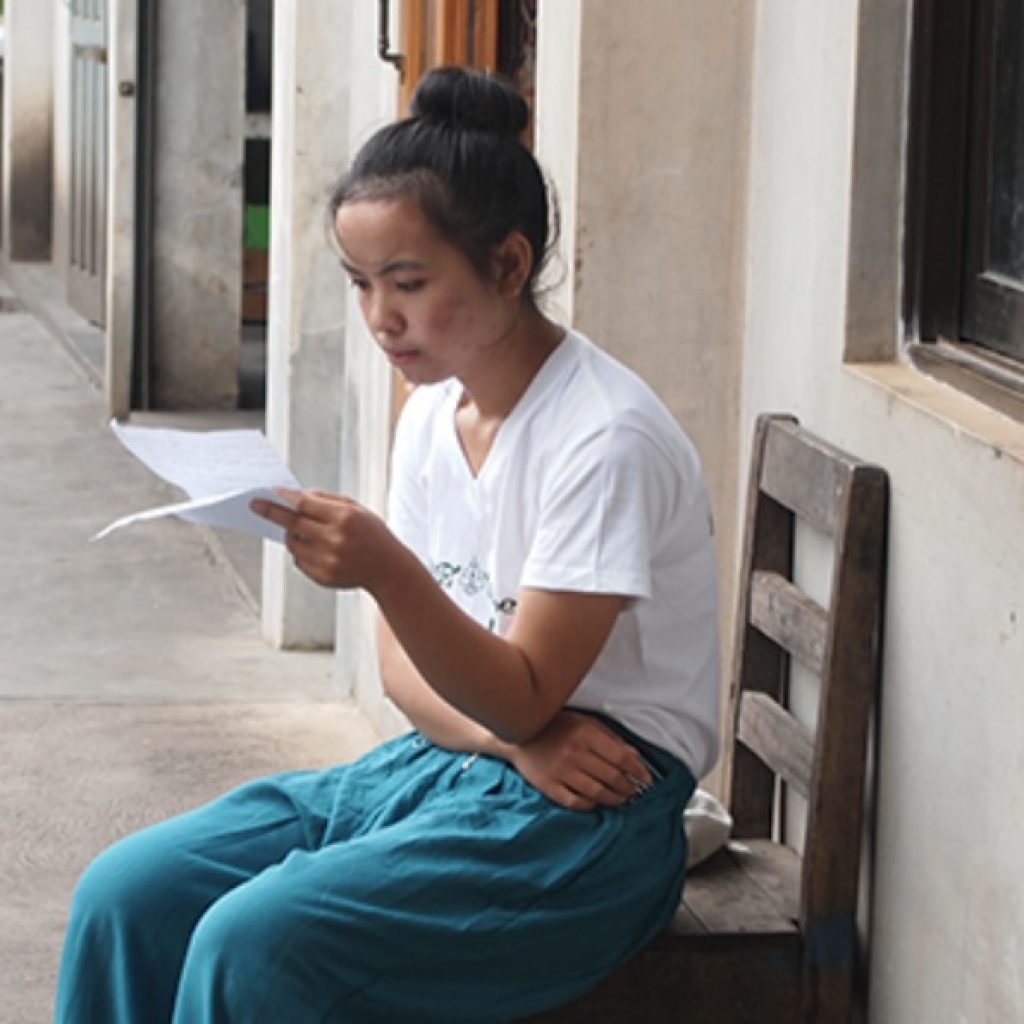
197,249
644,130
823,284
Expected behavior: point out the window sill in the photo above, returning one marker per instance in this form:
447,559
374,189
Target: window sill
947,404
985,376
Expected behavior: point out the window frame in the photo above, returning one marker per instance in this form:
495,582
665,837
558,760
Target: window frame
948,124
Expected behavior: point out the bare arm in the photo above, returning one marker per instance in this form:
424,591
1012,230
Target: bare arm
575,760
529,675
430,714
572,758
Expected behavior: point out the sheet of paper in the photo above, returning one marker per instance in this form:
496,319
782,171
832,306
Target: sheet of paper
221,471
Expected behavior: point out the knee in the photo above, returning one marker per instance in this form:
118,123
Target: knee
123,884
231,956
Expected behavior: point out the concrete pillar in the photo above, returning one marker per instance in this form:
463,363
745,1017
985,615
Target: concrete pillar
28,130
329,390
198,197
306,300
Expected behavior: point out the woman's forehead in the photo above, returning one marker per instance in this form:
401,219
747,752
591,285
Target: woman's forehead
375,232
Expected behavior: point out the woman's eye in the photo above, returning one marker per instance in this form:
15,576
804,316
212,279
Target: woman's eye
410,286
358,283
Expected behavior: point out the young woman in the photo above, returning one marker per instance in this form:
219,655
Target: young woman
546,587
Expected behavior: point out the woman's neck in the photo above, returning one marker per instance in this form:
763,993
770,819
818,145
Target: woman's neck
506,371
490,395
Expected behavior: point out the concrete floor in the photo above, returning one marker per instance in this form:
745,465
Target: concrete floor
133,679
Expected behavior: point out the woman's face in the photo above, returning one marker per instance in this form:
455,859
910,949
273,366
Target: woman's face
428,309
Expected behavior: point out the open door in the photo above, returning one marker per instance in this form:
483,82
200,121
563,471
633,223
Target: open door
88,159
445,32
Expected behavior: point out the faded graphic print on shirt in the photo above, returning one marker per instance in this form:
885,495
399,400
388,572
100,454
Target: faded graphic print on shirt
470,586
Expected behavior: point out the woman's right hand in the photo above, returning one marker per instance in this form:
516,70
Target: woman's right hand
334,540
579,763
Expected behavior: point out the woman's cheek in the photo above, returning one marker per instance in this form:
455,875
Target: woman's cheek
445,314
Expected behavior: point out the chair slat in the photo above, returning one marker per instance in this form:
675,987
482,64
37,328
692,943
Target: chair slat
804,474
788,616
783,743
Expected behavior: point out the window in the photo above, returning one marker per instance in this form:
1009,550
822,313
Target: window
965,239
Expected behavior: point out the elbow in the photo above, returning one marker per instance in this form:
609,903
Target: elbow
528,716
521,728
389,684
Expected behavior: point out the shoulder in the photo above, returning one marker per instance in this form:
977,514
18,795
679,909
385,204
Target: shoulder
421,409
423,403
416,433
605,407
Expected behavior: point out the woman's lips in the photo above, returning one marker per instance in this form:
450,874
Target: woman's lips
400,357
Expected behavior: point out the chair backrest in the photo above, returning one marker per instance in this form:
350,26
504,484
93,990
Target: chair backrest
796,475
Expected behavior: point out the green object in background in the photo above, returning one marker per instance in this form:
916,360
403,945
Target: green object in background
257,226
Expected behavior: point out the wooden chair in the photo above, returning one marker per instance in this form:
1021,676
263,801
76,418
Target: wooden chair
764,934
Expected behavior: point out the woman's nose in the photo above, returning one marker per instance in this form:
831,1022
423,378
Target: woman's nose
381,315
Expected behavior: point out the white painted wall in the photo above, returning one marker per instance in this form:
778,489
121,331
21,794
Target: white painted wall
948,913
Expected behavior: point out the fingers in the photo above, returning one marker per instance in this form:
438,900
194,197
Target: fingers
601,782
571,800
321,506
288,495
614,762
584,792
299,529
605,784
280,514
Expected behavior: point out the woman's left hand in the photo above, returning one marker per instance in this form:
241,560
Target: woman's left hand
580,764
335,541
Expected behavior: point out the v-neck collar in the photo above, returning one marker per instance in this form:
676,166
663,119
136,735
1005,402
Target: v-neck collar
548,372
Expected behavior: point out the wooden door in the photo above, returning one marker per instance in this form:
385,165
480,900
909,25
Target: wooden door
88,158
445,32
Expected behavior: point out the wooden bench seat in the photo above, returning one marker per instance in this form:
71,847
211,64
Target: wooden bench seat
766,932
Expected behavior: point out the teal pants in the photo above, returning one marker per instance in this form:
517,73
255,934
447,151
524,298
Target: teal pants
413,885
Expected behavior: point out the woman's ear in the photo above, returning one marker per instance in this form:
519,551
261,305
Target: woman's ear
511,263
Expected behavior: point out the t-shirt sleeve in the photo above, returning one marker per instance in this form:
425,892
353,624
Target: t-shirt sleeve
407,494
603,504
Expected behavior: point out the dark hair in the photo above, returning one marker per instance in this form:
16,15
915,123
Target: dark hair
459,156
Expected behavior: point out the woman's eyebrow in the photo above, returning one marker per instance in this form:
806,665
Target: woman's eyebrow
394,267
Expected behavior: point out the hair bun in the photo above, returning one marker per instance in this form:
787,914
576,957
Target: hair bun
470,101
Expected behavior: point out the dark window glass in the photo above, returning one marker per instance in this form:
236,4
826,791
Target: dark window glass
1006,177
965,256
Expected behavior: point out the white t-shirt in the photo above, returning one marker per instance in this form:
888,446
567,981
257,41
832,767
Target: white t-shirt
590,486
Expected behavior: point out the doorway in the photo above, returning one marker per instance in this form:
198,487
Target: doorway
88,159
